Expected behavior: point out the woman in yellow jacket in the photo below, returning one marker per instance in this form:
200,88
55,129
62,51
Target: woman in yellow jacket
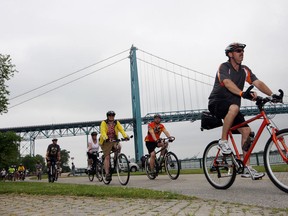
109,130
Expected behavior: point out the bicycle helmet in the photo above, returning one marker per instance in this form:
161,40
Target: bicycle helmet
94,133
54,139
110,113
157,116
233,46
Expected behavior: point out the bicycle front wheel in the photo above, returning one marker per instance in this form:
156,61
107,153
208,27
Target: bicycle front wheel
172,165
123,169
90,175
219,169
103,174
276,167
98,172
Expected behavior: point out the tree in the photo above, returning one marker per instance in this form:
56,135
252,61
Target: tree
64,160
7,70
9,149
30,161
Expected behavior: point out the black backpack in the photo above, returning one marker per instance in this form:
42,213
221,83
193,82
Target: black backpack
209,121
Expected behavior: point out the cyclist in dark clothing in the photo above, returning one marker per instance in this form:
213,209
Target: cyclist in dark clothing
53,153
225,98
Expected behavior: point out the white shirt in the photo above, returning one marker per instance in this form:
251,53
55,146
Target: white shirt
94,146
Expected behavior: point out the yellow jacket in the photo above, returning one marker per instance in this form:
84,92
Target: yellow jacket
104,130
21,168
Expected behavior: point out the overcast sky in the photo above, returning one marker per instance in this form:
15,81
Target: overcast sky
50,39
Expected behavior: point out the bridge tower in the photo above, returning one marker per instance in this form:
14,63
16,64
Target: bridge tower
136,110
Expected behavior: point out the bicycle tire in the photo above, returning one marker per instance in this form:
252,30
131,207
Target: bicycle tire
148,169
98,172
172,165
276,168
91,175
56,174
220,172
103,174
52,174
123,169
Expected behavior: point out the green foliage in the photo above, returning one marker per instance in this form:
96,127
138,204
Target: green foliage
9,145
7,70
65,160
30,161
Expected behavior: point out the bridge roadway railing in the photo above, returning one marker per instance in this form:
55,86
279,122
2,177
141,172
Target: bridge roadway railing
29,133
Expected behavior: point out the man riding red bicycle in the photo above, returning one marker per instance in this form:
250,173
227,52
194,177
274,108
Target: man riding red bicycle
225,98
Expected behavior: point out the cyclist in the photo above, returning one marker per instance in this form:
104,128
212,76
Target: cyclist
152,139
109,130
225,98
53,154
21,171
3,174
12,172
93,147
21,168
38,167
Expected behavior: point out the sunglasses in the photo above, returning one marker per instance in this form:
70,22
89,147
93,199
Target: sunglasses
111,115
239,50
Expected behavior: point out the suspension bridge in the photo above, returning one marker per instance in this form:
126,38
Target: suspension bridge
157,86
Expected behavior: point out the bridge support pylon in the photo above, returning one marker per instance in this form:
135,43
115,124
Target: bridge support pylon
136,110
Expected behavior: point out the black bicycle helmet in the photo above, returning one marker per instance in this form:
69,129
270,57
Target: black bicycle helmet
110,113
94,133
233,46
157,116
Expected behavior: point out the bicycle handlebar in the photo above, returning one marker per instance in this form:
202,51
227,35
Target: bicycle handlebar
169,139
261,101
118,140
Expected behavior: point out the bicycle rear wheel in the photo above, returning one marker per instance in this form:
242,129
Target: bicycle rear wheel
276,167
123,169
219,169
149,174
172,165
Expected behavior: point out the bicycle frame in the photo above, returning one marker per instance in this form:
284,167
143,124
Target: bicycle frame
265,123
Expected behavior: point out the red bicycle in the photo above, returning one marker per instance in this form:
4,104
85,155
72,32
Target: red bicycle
221,170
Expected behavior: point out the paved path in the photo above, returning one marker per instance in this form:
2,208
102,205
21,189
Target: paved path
244,190
245,197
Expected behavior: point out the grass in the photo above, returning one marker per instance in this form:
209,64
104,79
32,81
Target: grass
41,188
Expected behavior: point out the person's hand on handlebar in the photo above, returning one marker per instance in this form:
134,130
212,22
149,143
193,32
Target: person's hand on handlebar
250,95
276,98
171,139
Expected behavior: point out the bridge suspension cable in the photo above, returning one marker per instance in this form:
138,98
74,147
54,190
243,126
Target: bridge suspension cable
167,86
68,75
203,74
67,83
